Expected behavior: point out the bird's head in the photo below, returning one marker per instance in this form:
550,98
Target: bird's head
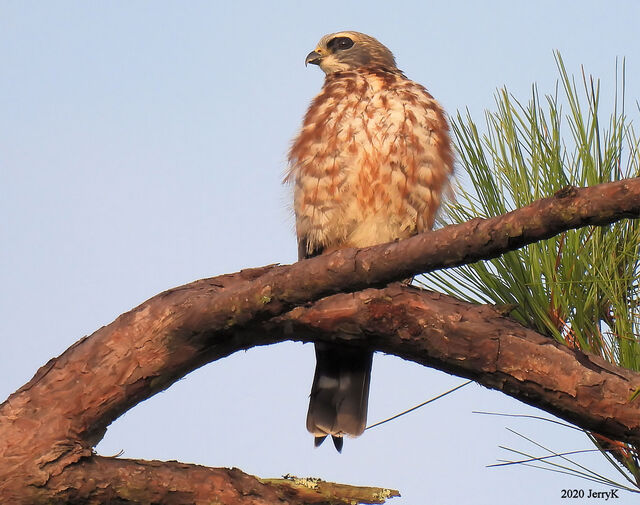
350,50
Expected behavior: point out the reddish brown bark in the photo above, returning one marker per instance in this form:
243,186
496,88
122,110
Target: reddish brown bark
47,428
108,480
479,343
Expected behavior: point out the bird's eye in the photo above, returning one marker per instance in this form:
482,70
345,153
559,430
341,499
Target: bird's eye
339,43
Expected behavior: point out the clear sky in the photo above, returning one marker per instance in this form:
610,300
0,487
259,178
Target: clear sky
142,146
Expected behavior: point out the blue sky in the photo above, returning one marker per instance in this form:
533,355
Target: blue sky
142,146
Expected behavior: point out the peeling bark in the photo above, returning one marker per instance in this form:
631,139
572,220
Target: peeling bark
479,343
98,480
47,428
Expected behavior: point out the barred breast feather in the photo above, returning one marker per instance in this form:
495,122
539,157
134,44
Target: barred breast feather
370,162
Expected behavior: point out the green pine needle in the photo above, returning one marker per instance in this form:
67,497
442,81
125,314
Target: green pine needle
581,287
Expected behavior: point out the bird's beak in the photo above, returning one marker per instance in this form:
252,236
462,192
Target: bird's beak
313,57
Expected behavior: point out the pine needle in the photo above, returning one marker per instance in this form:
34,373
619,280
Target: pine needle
582,287
421,405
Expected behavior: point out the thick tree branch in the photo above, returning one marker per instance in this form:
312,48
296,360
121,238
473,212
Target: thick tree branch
479,343
353,269
172,483
51,423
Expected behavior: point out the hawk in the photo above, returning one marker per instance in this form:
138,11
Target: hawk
368,167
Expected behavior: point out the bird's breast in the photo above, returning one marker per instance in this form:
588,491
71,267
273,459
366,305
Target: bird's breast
369,163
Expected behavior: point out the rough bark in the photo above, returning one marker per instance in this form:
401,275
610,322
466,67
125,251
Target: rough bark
48,427
479,343
99,480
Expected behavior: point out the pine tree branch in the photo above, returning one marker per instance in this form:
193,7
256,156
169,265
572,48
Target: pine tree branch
51,423
477,342
125,481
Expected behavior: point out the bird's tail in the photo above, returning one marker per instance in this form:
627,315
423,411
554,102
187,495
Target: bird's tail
340,392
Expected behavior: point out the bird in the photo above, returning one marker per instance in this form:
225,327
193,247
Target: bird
369,166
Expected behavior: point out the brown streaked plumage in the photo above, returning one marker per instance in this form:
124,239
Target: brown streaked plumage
369,166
